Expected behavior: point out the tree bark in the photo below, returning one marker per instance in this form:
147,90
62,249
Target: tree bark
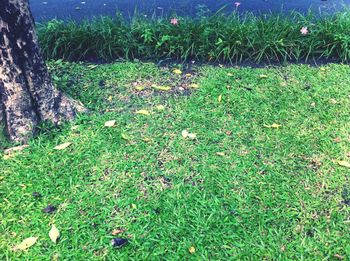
27,94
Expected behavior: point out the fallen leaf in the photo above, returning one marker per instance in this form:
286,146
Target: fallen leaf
339,256
110,98
140,88
26,243
273,126
117,231
344,163
14,149
177,71
188,75
91,66
337,140
194,86
146,139
110,123
63,146
230,74
192,250
143,112
160,107
263,76
220,153
54,234
161,88
220,98
126,136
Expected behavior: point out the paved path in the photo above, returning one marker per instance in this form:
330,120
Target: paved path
78,9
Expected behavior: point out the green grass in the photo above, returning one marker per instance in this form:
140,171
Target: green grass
277,193
230,38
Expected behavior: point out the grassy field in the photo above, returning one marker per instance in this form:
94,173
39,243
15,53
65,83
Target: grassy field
262,179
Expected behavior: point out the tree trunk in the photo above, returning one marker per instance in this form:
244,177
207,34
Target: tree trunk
27,95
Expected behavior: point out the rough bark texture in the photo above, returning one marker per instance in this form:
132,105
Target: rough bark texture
27,95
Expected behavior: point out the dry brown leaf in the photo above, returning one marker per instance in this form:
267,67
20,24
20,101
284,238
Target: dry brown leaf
117,231
54,234
63,146
26,243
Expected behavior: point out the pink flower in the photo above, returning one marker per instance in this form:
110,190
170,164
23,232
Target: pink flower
237,4
174,21
304,30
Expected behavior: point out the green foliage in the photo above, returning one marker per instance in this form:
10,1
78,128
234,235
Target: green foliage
218,38
239,191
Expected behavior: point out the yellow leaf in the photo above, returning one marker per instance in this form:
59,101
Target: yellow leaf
263,76
54,234
194,85
133,206
161,88
229,74
139,88
220,153
344,163
188,75
63,146
126,136
110,98
160,107
192,250
110,123
26,243
146,139
273,126
177,71
143,112
220,98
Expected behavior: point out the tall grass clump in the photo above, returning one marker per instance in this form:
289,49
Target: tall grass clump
230,38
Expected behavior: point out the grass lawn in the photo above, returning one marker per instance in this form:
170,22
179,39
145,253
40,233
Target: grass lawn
261,179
